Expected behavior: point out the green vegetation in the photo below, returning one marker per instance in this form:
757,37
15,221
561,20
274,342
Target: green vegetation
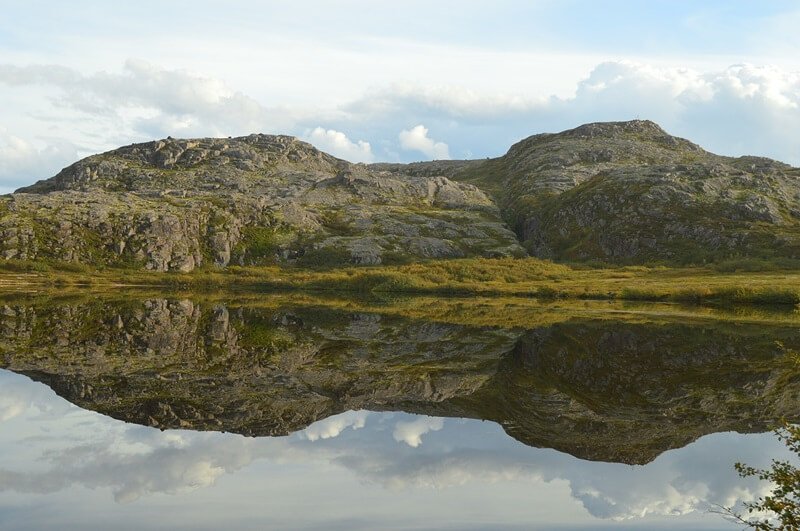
262,244
337,224
620,193
749,265
628,193
781,508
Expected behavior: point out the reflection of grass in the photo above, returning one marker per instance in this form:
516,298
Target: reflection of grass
334,307
487,277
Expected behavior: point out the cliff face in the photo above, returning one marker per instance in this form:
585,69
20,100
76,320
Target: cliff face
622,192
596,388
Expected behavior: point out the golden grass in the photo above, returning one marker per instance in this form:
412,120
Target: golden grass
525,277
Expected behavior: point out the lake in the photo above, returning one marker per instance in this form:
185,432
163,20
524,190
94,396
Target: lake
144,410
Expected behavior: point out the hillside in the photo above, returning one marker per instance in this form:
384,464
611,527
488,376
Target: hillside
620,192
628,192
180,204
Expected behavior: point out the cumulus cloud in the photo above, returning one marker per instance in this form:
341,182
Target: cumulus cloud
11,407
744,109
456,102
679,482
161,467
336,143
417,139
411,432
335,425
153,101
741,109
103,110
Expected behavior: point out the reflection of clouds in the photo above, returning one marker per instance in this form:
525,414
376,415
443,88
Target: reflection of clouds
10,407
411,432
135,461
685,480
18,394
166,467
673,484
333,426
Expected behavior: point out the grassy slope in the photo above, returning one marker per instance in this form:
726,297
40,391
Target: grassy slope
527,277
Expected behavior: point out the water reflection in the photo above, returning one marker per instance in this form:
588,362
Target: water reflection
623,389
398,451
353,396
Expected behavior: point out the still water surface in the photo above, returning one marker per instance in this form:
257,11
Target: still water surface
264,413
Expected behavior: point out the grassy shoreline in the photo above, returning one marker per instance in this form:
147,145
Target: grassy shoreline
525,277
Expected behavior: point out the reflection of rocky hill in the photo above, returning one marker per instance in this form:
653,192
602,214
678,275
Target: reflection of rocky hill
258,372
600,390
625,392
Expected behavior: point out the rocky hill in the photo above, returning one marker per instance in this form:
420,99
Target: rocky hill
180,204
628,192
624,192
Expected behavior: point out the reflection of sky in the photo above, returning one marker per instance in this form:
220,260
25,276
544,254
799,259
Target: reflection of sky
66,468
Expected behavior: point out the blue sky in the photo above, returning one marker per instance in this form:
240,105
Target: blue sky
372,81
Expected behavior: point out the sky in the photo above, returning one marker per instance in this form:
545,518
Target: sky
391,81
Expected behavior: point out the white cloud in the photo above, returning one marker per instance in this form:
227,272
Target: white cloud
11,407
455,101
411,432
22,162
742,109
417,139
335,425
336,143
153,101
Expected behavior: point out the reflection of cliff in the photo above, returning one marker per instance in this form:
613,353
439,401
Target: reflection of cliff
601,390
